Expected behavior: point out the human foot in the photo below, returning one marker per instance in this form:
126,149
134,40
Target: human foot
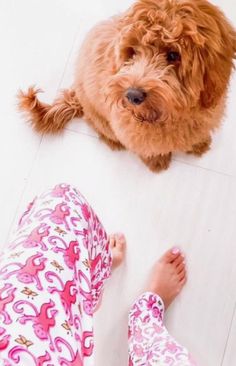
168,276
117,243
118,246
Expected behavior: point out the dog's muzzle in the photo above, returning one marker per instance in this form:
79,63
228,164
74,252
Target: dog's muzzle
135,96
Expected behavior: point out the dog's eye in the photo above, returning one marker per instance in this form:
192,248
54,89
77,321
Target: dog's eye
129,53
173,56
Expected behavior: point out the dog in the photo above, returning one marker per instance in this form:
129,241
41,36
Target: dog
152,80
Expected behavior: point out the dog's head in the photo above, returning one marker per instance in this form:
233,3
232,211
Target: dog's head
171,56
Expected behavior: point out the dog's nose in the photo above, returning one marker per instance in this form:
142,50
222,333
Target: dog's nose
135,96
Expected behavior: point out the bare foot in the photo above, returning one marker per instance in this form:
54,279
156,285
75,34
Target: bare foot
168,276
118,247
117,244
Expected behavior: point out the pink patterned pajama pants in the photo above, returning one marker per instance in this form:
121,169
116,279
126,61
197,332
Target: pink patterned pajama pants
149,341
51,278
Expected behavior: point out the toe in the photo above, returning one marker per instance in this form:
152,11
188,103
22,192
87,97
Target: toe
117,245
182,275
112,241
171,255
180,267
183,282
121,239
178,260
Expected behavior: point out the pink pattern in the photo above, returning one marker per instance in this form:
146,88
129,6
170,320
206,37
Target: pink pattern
51,277
149,341
28,272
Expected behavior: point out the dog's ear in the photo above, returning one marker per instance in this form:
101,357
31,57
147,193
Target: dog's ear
132,27
124,48
218,53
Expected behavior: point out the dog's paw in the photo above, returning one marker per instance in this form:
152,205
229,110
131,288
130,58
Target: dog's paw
158,163
200,148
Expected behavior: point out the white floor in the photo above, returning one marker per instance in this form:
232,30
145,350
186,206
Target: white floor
193,204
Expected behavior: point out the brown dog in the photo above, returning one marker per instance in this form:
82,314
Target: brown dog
152,80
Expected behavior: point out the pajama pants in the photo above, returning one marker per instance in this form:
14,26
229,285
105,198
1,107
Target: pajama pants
51,278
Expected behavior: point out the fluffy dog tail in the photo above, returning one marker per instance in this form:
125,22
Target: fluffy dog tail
46,118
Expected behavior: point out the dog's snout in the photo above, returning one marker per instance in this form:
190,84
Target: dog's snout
135,96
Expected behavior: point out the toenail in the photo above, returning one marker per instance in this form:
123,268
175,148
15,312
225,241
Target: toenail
175,250
120,236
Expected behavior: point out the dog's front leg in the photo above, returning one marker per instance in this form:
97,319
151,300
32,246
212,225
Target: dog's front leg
158,163
201,148
114,145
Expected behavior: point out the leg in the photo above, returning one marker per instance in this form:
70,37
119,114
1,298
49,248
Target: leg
158,163
117,244
149,341
201,148
60,245
114,145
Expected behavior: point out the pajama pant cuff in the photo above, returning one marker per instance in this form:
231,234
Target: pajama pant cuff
146,296
149,301
148,307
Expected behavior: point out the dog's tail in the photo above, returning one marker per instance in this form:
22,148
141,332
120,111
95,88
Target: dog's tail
47,118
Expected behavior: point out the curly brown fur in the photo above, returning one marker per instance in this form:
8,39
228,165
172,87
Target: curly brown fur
158,163
200,148
112,144
50,118
185,95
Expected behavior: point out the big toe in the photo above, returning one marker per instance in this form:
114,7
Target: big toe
112,241
171,255
120,240
118,247
117,243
